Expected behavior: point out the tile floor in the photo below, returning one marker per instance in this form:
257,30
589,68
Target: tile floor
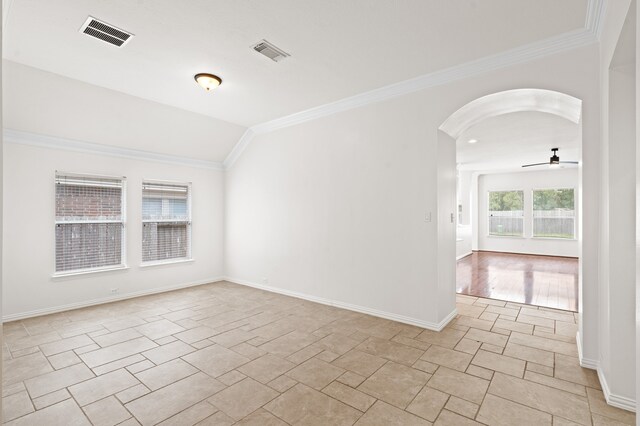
223,354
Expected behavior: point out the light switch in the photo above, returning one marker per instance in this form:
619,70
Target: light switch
427,217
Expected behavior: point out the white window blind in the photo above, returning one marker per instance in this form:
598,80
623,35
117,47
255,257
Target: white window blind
89,222
166,221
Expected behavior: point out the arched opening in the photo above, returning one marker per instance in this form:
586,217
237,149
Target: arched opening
527,220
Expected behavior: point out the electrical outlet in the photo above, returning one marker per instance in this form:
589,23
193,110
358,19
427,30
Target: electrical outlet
114,290
427,217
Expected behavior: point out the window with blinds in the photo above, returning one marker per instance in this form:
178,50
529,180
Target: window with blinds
89,223
166,221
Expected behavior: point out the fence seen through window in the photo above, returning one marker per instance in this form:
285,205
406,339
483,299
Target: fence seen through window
554,213
166,220
506,213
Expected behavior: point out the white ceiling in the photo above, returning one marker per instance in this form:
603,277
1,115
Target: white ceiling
339,48
44,103
508,141
625,53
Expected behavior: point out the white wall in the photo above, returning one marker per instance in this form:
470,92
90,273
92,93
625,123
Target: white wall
44,103
463,241
335,208
29,230
2,6
526,182
617,357
41,103
330,209
464,230
465,184
637,123
447,224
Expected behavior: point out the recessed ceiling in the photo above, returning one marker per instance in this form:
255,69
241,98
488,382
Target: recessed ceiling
338,48
508,141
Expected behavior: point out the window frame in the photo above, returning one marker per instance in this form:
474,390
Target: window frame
123,221
189,222
524,209
574,238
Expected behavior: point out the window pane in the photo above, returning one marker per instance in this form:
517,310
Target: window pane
166,221
165,202
554,213
89,203
88,245
506,213
88,222
162,241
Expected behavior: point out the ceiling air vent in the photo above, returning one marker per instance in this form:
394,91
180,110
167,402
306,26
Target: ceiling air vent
270,51
105,32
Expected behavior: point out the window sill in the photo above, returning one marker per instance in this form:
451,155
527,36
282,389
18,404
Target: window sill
518,237
554,238
165,262
88,271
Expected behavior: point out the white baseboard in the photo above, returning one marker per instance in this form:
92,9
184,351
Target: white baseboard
356,308
84,304
585,362
612,399
464,255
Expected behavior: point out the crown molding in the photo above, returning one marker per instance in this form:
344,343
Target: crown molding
550,46
594,18
6,6
51,142
238,148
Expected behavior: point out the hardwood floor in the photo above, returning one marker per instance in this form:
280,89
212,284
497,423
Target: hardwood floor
546,281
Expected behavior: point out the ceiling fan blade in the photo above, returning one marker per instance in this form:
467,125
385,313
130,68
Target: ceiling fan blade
569,162
536,164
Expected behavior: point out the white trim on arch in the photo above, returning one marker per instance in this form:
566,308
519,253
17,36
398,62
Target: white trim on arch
509,101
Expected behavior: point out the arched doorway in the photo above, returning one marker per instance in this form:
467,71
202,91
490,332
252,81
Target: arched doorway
554,107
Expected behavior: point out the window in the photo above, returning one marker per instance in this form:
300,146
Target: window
166,221
553,213
506,213
89,223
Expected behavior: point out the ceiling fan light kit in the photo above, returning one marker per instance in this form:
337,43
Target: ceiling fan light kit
554,160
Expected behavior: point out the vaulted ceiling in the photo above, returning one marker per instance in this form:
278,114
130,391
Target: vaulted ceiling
338,48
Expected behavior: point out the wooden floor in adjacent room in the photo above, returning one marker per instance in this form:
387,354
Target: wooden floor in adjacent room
547,281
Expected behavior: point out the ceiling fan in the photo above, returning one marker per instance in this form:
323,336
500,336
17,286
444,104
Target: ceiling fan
554,160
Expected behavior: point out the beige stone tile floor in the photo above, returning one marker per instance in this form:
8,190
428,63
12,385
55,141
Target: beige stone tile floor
222,354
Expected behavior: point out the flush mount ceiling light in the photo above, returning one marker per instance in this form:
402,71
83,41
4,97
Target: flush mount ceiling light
208,81
472,140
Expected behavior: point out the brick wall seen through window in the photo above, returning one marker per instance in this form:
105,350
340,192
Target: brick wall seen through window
89,222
